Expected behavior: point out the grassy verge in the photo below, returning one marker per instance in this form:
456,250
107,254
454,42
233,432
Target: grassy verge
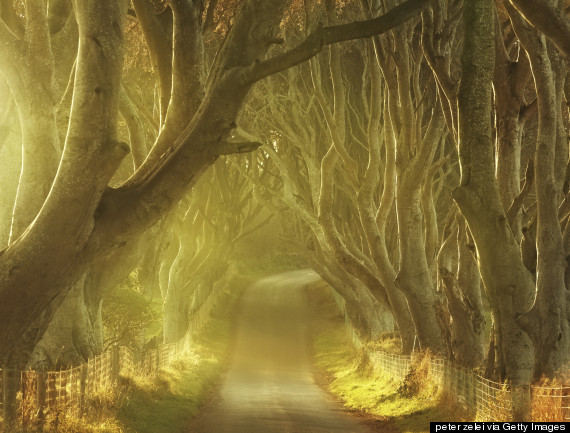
349,375
166,402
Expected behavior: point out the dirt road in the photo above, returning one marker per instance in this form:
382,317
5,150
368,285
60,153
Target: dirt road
269,386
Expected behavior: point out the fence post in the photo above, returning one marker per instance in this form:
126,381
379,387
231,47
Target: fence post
82,388
42,379
51,390
10,387
446,378
473,396
453,381
565,404
115,364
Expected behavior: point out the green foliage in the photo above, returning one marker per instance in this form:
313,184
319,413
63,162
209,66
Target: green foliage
257,265
128,314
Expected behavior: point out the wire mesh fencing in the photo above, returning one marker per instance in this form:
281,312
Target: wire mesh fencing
485,399
28,396
550,403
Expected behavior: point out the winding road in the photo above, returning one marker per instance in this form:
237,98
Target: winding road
269,385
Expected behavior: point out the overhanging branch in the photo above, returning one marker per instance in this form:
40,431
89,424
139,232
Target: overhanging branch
227,148
331,34
547,19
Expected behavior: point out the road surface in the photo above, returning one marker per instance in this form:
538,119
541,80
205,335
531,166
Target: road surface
269,386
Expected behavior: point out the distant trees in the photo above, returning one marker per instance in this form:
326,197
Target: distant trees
203,234
128,315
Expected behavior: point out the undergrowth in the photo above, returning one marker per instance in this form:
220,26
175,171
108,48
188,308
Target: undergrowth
549,400
167,402
350,375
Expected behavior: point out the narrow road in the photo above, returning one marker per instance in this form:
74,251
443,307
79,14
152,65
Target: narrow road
269,386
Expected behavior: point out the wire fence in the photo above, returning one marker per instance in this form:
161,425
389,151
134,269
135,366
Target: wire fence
28,396
485,399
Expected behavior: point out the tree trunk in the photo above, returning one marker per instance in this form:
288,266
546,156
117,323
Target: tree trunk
547,322
508,283
461,282
414,277
40,153
367,315
70,337
509,136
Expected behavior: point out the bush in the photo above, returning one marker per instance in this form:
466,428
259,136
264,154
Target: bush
128,314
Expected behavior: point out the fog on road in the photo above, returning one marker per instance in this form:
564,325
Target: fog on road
269,385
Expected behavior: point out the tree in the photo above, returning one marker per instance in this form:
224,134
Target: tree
203,238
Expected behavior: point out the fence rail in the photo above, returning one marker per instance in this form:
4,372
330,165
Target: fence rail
26,396
488,400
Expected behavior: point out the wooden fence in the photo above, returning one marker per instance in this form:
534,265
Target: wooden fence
27,396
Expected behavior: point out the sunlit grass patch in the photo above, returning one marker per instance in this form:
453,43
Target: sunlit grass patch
409,405
165,402
98,416
388,343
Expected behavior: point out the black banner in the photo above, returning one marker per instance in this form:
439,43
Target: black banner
518,427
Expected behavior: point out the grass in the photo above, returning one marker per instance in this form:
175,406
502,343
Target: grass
349,374
174,396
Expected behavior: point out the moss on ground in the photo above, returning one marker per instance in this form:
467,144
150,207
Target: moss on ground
351,377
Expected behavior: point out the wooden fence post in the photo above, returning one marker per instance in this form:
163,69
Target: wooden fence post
115,364
51,390
82,388
475,387
42,387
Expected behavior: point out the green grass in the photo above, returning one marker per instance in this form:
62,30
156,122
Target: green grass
351,377
165,403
